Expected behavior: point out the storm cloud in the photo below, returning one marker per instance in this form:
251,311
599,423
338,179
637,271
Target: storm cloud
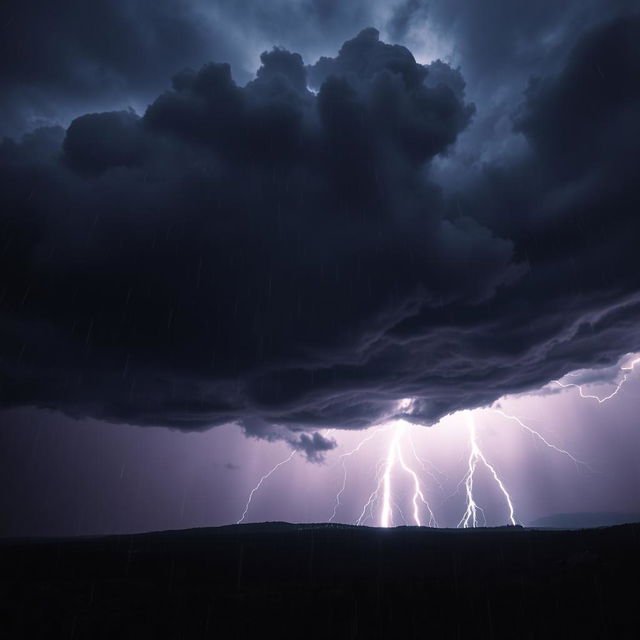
280,255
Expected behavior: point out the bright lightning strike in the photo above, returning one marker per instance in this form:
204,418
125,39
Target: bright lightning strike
385,517
628,368
394,454
384,485
470,517
417,493
383,493
264,477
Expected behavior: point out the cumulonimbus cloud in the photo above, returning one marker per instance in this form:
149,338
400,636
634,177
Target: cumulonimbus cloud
277,254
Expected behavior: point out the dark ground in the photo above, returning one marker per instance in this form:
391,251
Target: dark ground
325,581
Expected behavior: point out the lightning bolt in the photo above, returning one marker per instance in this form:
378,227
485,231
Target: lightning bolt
264,477
628,368
373,497
417,493
386,515
343,461
384,485
394,455
542,439
470,517
383,493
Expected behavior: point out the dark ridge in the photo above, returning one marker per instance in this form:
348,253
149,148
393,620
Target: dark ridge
324,580
584,520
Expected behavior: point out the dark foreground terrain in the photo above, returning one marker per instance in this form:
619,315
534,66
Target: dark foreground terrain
325,581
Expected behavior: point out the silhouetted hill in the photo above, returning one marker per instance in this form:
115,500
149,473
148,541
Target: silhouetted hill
329,581
585,520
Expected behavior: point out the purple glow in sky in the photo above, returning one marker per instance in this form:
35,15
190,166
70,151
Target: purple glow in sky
65,477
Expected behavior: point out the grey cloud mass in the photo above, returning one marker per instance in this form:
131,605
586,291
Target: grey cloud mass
279,253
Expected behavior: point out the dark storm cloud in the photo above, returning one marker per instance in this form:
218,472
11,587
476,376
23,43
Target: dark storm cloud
313,446
64,60
61,60
266,255
56,59
499,46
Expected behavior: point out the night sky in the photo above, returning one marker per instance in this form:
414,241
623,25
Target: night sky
392,245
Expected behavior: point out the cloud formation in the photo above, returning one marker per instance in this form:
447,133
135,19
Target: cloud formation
278,254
